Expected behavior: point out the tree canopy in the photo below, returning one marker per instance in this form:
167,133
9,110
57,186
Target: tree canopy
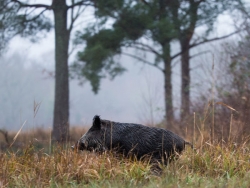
14,21
147,26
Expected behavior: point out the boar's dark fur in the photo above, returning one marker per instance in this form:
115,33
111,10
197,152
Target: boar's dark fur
129,138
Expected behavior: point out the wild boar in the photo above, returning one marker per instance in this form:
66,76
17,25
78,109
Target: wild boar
131,139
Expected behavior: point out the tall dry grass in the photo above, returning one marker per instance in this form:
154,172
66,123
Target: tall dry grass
223,163
208,165
40,138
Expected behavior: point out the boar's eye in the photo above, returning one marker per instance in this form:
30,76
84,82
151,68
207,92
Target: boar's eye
81,146
93,144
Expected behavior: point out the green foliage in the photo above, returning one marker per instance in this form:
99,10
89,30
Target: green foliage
109,39
32,26
109,7
163,31
14,21
132,21
98,58
7,15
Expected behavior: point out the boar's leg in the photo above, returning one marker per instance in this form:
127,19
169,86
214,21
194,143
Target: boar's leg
158,161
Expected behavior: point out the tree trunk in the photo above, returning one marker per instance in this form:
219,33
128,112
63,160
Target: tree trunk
61,106
185,79
185,38
168,84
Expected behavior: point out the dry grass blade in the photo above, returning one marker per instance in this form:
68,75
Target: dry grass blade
14,139
223,104
5,134
36,107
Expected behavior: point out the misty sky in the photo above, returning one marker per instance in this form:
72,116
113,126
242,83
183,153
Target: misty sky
136,96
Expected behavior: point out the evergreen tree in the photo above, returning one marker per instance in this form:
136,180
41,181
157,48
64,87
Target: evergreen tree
149,26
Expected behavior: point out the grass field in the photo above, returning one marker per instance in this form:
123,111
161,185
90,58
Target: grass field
209,165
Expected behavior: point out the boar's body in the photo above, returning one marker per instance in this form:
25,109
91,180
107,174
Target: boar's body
128,138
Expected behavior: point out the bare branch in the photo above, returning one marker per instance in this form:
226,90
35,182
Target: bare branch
205,41
72,50
80,3
143,60
74,18
200,53
47,7
147,48
213,39
176,55
34,18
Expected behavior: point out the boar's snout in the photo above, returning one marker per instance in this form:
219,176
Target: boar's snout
78,146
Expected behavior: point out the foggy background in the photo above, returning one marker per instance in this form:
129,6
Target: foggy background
26,78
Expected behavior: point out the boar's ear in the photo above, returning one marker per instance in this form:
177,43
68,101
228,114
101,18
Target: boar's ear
96,122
